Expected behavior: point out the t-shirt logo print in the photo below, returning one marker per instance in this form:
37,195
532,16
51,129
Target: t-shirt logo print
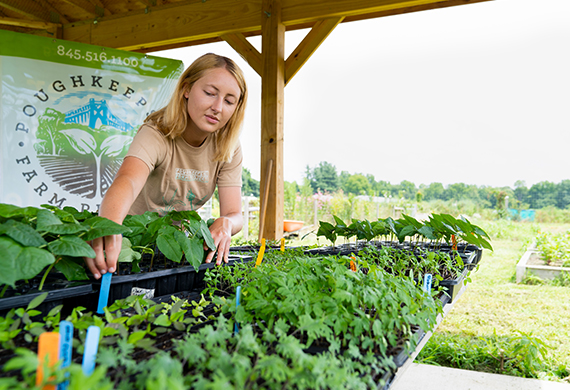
81,149
190,196
169,205
192,175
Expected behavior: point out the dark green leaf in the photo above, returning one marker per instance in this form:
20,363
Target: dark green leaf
46,218
168,245
100,227
195,252
17,262
127,254
11,211
71,246
71,270
67,228
23,233
207,236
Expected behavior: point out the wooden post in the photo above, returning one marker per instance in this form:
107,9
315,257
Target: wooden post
272,95
264,198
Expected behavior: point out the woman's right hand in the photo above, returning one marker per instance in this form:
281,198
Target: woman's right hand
120,196
107,251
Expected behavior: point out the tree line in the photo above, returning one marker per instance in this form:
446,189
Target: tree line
325,178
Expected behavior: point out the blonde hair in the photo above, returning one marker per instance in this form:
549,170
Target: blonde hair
173,119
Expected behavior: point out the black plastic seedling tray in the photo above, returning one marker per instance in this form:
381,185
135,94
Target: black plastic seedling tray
68,297
162,282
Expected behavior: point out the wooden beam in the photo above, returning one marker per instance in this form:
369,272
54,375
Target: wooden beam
412,9
29,24
86,6
246,50
102,7
272,95
30,10
170,24
56,15
150,3
186,22
308,46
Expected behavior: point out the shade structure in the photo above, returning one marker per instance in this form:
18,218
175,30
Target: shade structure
152,25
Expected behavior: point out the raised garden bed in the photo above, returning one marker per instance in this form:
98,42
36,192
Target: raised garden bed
531,263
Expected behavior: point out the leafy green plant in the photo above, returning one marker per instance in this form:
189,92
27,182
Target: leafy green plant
175,234
322,303
554,248
520,355
439,228
33,240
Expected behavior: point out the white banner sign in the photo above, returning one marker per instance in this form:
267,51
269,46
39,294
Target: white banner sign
68,114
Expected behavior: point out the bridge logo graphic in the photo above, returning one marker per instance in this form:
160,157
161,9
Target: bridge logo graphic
94,114
81,150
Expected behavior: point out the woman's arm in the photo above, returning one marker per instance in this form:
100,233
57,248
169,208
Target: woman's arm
119,198
229,223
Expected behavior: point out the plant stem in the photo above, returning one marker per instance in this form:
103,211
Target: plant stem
3,291
45,276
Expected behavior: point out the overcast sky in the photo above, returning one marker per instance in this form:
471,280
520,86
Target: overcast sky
478,94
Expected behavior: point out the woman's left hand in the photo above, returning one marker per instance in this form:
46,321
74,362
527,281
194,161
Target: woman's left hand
227,225
221,231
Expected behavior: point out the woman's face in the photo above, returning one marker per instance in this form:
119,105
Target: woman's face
212,101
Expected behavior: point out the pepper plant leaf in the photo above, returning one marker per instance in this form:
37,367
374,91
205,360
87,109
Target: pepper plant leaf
63,229
168,244
100,227
207,236
23,233
427,232
71,269
327,230
406,231
46,218
18,262
127,254
12,211
71,246
195,252
63,215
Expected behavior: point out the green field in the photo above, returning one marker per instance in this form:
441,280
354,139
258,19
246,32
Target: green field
494,304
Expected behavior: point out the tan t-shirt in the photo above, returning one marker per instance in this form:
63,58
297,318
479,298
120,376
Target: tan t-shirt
182,177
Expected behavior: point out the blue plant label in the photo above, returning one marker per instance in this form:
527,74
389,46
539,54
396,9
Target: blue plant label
90,352
427,282
238,294
104,293
65,348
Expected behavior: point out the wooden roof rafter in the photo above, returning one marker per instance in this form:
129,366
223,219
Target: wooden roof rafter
31,10
39,25
187,23
94,10
56,16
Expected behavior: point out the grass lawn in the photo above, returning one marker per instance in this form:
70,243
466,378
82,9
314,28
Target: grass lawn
493,303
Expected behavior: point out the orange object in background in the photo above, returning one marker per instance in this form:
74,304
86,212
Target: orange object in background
292,226
454,242
48,349
352,263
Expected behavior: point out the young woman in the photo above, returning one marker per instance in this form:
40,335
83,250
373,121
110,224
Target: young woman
180,154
